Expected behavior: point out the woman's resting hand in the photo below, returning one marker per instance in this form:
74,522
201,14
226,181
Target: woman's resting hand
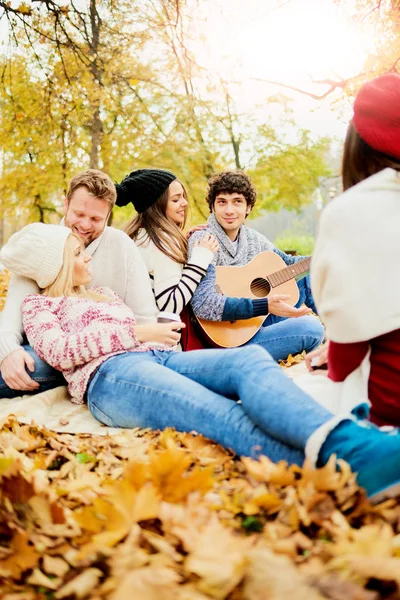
162,333
318,357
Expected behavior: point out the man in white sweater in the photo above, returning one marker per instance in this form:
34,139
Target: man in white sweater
116,263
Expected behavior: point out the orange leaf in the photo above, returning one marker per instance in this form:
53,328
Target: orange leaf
23,557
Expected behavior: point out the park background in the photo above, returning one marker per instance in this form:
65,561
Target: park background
194,86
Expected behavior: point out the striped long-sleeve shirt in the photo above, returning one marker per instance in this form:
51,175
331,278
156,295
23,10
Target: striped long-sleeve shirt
174,284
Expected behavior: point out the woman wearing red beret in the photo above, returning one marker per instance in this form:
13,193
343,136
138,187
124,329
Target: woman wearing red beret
355,268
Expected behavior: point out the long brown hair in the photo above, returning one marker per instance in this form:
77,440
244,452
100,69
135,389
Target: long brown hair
164,234
361,161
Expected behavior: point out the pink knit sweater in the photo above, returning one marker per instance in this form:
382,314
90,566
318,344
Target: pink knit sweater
76,335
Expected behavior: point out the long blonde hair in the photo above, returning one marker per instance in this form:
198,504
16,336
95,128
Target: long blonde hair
63,284
164,234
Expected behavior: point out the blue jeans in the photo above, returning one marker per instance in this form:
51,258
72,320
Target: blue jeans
44,374
200,390
282,336
306,296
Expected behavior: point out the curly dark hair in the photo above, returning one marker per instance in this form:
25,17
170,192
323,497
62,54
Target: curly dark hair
231,182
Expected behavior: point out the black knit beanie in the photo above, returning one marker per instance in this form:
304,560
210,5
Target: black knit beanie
143,187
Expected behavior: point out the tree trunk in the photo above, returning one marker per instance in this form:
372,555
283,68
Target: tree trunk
39,208
64,164
96,125
236,151
96,135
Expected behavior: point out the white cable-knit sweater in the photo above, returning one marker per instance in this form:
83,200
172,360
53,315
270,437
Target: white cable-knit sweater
116,264
76,335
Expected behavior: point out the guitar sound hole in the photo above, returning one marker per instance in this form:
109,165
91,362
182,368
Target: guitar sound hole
260,287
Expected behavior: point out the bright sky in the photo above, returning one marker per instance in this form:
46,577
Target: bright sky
245,40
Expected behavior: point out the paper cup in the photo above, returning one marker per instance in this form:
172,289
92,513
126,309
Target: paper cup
167,317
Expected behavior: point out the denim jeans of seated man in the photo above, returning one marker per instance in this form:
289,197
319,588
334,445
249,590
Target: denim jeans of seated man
289,336
199,391
44,374
306,296
282,336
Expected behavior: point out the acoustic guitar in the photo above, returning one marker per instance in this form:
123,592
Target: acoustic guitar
265,273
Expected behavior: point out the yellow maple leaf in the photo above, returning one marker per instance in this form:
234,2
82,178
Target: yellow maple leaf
81,585
265,470
274,577
135,505
219,558
100,516
9,466
293,360
367,567
46,512
168,471
24,556
111,518
148,583
327,478
54,565
370,540
268,501
137,473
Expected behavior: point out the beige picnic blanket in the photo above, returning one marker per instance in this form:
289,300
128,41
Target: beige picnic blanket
54,410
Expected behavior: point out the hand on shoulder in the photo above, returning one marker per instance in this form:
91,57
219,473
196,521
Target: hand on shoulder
209,242
194,229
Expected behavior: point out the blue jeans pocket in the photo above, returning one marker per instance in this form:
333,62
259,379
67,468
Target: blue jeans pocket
94,409
100,416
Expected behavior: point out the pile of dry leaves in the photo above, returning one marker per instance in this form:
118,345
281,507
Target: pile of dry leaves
165,516
168,516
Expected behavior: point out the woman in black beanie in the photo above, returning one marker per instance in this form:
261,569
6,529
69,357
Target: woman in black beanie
160,200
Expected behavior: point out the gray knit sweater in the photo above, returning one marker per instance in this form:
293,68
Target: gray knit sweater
207,303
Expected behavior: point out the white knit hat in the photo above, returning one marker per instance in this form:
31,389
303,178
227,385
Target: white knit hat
37,252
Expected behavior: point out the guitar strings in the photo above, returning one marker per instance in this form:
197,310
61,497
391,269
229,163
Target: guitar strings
280,277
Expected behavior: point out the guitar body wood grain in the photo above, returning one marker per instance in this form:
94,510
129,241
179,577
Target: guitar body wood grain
236,282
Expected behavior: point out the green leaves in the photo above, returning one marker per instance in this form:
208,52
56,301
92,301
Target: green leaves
83,458
252,524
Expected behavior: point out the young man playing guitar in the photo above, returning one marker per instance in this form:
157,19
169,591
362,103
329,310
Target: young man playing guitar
288,329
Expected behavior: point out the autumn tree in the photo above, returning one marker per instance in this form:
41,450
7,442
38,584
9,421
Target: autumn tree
115,86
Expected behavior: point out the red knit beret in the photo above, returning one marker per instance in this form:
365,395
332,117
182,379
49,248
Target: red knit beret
377,114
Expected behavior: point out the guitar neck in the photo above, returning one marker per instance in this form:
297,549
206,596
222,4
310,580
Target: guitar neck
296,271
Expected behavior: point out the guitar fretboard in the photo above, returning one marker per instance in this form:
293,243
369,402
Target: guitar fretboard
283,275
